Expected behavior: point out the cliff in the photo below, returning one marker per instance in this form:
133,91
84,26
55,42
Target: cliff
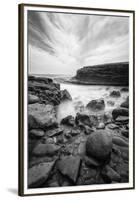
106,74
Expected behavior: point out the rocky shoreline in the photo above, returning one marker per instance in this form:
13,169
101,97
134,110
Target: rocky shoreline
90,148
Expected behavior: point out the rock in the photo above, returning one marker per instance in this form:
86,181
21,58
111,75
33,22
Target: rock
113,126
125,133
91,162
69,166
122,119
53,184
41,116
37,132
125,104
119,141
96,105
45,149
38,174
75,131
110,175
105,74
120,112
32,99
99,145
101,126
54,132
88,130
65,95
69,120
111,103
115,93
83,119
124,89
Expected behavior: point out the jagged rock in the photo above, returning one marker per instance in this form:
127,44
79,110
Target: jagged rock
69,166
115,93
65,95
99,145
36,132
69,120
110,174
38,174
32,99
83,119
119,141
120,112
41,116
96,105
54,132
45,149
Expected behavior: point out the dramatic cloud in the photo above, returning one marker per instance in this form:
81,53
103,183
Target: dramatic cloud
61,43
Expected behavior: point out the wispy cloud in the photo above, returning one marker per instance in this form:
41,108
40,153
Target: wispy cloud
62,43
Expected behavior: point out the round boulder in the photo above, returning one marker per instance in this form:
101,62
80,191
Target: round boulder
96,105
99,145
115,93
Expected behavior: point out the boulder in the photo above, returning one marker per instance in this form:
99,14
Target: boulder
41,116
125,89
122,119
54,132
65,95
42,149
99,145
96,105
69,166
83,119
38,174
32,99
115,93
69,120
91,162
119,112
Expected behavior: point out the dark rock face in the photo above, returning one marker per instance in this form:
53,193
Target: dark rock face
106,74
96,105
38,174
69,166
115,93
65,95
119,112
69,120
99,145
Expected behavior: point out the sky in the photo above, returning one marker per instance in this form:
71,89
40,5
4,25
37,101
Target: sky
62,43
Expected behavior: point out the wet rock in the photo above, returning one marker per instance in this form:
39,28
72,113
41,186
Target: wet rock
38,174
32,99
101,125
69,120
54,132
120,112
88,130
111,103
125,104
115,93
36,133
113,126
83,119
119,141
41,116
46,149
96,105
122,119
124,89
69,166
75,131
110,174
99,145
65,95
